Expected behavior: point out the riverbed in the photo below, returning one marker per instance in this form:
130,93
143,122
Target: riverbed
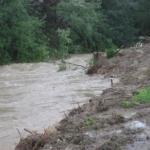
35,95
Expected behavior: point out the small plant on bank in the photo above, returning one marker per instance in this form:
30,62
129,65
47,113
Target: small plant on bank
111,49
90,122
142,97
129,104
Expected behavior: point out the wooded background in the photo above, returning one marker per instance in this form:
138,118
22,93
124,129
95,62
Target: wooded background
37,30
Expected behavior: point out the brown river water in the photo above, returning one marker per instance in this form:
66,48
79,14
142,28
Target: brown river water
34,95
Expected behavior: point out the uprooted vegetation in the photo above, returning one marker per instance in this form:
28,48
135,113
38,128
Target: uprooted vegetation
102,123
99,64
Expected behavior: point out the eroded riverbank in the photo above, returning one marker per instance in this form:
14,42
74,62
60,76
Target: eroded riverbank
104,123
34,96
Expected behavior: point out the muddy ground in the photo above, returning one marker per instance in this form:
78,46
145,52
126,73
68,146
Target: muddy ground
103,124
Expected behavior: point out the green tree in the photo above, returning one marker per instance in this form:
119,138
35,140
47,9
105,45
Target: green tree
20,33
142,17
119,15
86,23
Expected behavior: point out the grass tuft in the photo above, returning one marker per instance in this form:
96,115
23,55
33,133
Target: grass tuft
89,122
142,97
129,104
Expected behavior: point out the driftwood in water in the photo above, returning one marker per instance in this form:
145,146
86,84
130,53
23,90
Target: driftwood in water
65,62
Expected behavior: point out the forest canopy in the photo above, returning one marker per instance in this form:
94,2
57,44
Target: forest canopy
36,30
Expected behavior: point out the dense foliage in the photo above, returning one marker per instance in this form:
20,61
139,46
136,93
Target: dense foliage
21,38
38,29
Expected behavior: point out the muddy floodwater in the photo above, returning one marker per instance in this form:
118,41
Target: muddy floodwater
34,95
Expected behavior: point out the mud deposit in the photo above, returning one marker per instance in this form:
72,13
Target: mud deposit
103,123
34,96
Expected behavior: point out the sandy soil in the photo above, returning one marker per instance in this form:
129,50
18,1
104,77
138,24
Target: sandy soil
102,123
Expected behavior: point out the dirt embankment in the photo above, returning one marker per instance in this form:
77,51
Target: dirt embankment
103,124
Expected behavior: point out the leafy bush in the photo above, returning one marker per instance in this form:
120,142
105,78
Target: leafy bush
90,122
111,49
86,24
20,33
31,47
143,96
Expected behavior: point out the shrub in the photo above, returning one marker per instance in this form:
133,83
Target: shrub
143,96
20,33
111,49
86,22
90,122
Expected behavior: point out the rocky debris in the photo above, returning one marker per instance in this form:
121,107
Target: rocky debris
135,125
115,143
110,145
